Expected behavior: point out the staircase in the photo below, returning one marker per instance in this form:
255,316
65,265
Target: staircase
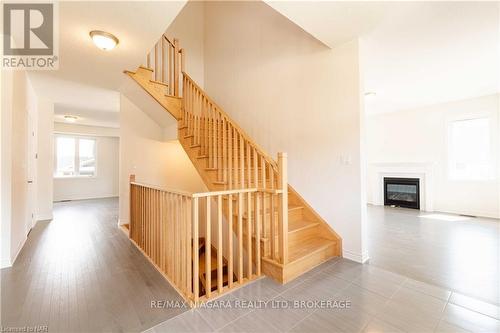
284,237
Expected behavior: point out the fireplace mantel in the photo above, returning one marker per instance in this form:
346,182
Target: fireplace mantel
421,170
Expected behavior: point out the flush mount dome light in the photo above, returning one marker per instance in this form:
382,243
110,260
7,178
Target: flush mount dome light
70,119
103,40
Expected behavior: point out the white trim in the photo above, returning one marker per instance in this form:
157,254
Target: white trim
361,258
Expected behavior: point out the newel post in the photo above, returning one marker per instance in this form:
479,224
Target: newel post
283,213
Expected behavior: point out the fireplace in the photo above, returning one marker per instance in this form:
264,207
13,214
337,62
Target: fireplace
402,192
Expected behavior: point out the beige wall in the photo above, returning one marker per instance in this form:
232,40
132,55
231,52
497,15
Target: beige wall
292,94
154,161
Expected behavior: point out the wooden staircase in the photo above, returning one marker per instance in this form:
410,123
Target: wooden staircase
293,238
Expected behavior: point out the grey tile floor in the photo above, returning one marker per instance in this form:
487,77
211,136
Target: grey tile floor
380,301
420,278
454,252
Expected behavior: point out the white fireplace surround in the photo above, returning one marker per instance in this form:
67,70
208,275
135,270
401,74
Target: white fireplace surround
423,171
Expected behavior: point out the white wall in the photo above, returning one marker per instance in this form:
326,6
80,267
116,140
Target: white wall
293,94
420,136
18,98
154,161
105,183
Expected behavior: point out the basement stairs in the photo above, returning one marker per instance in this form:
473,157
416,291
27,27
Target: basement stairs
291,238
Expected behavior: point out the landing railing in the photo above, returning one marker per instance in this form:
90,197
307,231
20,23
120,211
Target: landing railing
171,227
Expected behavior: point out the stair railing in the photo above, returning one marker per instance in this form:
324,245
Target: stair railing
168,225
167,60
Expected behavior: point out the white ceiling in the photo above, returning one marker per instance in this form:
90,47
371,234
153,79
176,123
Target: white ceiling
413,53
89,78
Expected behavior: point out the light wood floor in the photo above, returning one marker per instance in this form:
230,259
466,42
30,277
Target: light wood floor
80,273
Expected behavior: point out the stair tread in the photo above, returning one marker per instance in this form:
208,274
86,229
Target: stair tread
309,247
213,264
297,225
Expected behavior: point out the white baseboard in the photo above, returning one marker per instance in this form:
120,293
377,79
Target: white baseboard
20,247
122,222
361,258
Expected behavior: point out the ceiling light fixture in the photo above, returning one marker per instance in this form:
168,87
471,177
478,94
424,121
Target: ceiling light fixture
70,119
104,40
370,94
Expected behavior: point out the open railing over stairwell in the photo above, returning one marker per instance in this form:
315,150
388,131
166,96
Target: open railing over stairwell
167,60
205,244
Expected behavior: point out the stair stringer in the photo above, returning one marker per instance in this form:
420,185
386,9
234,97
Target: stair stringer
157,90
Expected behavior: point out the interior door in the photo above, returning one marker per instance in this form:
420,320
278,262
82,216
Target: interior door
31,172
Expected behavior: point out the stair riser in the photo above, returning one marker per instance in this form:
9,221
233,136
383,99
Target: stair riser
287,273
295,215
297,237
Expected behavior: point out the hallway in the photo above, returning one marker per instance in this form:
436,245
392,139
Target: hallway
80,273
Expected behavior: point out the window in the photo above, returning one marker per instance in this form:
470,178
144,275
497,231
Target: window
469,149
74,156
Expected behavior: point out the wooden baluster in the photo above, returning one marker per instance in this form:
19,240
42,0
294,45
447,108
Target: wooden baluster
156,62
176,67
263,171
220,152
249,235
189,223
240,238
214,134
242,162
219,244
183,244
230,155
230,240
208,254
148,60
271,176
272,226
177,243
224,150
196,288
163,67
257,232
235,158
249,165
283,213
170,70
255,169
